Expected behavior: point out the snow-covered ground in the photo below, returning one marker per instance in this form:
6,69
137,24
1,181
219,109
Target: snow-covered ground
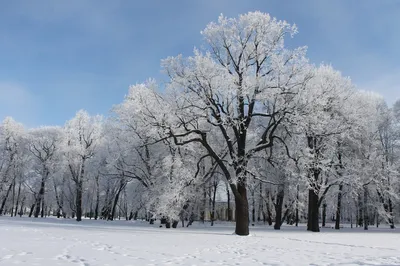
50,242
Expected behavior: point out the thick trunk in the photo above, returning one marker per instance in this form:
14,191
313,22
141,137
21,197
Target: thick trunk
313,212
278,207
242,211
338,208
313,192
78,200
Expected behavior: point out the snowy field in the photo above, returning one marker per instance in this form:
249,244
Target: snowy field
50,242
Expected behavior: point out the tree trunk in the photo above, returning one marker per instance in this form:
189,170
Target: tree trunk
96,209
22,206
278,207
59,198
5,198
183,221
391,219
228,194
338,208
203,205
78,200
43,209
191,219
377,218
351,220
40,198
360,221
297,205
215,186
365,207
38,205
260,205
13,200
112,215
31,211
126,205
313,212
323,214
175,224
253,206
269,215
18,196
313,192
242,211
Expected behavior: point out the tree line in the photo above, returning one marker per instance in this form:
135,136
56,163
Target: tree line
247,117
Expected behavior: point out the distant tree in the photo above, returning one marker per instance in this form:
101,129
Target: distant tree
43,144
82,136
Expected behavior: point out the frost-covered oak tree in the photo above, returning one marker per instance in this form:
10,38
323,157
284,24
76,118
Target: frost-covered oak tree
216,94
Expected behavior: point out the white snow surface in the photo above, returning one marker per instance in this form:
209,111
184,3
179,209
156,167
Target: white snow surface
50,242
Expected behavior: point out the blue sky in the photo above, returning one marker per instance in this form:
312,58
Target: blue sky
57,57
